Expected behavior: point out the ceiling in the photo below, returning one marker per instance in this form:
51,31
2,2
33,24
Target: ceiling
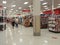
49,4
20,3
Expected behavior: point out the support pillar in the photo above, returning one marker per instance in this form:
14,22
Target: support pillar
36,18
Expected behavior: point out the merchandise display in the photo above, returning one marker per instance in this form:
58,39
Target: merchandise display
2,20
28,21
44,21
54,23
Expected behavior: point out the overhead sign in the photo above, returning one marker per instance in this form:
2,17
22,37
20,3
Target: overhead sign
26,10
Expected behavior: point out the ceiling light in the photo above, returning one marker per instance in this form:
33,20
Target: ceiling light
20,7
21,40
41,0
4,2
13,5
25,2
44,3
11,9
44,6
30,6
58,4
45,41
5,7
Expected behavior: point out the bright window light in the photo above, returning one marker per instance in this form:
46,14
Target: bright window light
44,3
26,2
4,2
13,5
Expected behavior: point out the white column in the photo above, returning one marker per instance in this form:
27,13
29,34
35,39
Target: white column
36,17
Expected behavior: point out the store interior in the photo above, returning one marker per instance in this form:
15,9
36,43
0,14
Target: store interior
24,34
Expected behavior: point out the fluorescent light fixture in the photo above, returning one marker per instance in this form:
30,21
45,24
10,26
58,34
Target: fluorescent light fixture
45,41
44,6
4,2
44,3
5,7
21,40
26,2
41,0
13,6
20,7
11,9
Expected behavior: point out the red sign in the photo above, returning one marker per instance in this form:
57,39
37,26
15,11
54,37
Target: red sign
26,10
56,11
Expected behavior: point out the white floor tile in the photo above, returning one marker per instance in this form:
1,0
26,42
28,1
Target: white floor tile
24,36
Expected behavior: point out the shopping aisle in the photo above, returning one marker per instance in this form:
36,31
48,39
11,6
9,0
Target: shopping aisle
24,36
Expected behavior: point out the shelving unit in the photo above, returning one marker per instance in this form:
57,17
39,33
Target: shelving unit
44,21
2,20
54,24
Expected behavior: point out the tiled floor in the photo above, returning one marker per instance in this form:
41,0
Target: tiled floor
24,36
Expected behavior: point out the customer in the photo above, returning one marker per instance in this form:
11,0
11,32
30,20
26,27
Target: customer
13,22
16,21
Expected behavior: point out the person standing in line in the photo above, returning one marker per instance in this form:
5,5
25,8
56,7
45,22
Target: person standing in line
16,22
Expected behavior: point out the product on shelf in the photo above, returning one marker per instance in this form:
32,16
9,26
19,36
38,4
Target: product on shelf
44,21
27,21
54,23
2,20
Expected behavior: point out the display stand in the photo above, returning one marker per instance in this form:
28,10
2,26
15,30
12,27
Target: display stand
54,23
44,21
28,21
2,20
